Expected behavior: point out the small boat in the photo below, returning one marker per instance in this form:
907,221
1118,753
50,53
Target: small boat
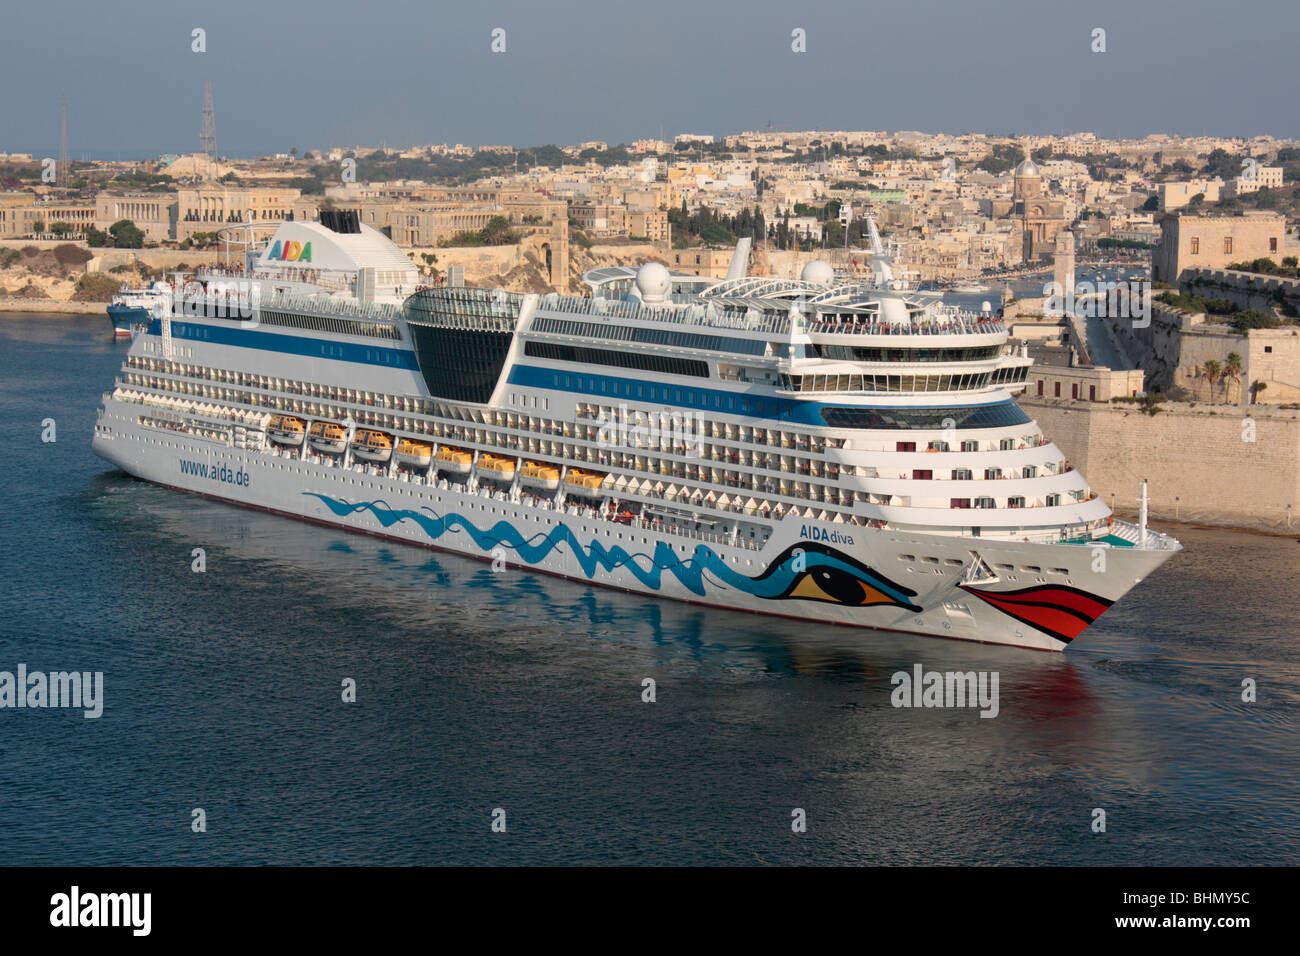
970,288
496,467
136,304
372,446
586,484
286,430
539,477
453,461
413,454
329,437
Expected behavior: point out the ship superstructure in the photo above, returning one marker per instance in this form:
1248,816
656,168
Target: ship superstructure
843,450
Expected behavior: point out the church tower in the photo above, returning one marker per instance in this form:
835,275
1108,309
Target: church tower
1063,262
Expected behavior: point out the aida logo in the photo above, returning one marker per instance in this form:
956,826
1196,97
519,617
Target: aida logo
814,533
290,252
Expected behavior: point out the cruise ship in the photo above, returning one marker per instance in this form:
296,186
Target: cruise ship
845,450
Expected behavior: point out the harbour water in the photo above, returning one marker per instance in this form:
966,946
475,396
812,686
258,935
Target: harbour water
477,691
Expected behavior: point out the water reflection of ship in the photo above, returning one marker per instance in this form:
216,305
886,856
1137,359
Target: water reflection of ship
840,678
296,558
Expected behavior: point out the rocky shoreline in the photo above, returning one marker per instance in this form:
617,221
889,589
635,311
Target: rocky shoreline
52,306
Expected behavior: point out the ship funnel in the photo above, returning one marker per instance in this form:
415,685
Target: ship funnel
739,267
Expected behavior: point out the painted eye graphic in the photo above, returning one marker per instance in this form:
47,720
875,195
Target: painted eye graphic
836,587
833,578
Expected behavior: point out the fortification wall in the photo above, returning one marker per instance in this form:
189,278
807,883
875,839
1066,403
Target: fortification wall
1198,461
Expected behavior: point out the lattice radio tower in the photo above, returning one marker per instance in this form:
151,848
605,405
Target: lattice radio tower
61,172
208,135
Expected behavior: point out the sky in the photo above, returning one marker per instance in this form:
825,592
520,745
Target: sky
314,73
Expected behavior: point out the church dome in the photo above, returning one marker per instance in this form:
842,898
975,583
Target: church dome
1026,169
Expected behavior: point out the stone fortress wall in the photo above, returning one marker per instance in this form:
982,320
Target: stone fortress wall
1197,460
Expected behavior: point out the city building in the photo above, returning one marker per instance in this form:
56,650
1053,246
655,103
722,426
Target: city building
154,214
1175,195
1212,242
701,261
650,224
208,207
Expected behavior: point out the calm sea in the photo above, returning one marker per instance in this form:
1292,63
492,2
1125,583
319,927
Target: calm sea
478,691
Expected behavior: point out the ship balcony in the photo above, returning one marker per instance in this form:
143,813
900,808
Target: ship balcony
1068,486
1055,522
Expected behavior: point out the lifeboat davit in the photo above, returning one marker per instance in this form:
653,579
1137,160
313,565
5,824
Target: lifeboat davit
329,437
539,477
286,430
453,461
496,467
585,484
413,454
372,446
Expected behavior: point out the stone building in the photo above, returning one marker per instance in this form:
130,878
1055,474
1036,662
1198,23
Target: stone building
1087,383
1038,215
651,224
1175,195
701,261
208,207
23,215
1212,242
153,213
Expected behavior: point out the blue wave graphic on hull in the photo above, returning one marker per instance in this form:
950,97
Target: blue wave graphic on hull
806,571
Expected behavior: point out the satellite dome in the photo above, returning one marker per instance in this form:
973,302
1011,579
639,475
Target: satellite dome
818,272
986,306
653,282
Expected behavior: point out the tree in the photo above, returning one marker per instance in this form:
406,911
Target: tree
96,237
1223,164
1255,388
1231,370
61,228
1249,319
38,226
1210,371
126,235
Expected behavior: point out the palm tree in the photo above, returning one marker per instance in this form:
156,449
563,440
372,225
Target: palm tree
1255,388
1211,371
1232,370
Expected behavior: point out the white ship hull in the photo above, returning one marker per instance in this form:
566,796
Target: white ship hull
824,572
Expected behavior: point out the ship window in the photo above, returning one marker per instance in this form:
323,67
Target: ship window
980,416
